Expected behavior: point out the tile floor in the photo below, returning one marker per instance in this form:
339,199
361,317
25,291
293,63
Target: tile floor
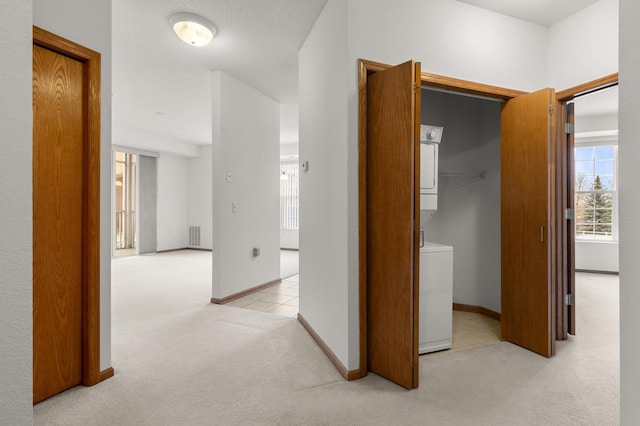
281,299
469,330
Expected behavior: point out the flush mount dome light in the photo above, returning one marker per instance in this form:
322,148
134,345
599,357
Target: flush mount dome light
193,29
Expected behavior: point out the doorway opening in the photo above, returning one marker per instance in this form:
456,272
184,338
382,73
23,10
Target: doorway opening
467,220
541,228
535,118
289,216
366,70
585,109
125,184
595,181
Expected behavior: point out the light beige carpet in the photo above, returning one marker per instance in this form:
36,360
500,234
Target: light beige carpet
182,361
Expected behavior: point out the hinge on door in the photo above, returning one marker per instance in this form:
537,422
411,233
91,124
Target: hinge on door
569,128
570,299
415,87
570,214
550,109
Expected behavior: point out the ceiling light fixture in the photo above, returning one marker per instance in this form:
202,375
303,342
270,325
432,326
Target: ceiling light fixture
193,29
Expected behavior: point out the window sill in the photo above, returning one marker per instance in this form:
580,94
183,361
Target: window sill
581,241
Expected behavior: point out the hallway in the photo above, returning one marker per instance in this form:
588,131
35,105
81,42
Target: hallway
182,360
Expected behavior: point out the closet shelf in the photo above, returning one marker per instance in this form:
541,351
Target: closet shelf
452,180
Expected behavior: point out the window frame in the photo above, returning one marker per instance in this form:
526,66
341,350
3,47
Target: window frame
592,139
297,188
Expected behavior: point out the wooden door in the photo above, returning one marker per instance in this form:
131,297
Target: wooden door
66,215
527,191
393,111
569,223
57,222
565,223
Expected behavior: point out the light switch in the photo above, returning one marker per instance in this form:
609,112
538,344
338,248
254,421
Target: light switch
229,177
234,207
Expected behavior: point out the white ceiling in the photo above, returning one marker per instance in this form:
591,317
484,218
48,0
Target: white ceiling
162,86
542,12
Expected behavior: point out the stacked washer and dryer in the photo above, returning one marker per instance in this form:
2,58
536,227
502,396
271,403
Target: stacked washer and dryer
436,260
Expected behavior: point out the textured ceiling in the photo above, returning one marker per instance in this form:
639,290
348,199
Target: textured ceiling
162,86
542,12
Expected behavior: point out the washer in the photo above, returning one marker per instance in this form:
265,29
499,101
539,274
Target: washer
436,297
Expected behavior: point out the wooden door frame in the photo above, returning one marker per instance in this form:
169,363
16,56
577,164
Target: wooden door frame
559,262
91,373
366,68
565,263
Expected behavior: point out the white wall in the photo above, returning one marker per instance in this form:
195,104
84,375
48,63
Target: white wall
16,226
289,239
597,256
289,124
200,194
584,47
246,134
172,202
629,195
605,122
89,23
324,279
137,139
450,38
468,215
289,150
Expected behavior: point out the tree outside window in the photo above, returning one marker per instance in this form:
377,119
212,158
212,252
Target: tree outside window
595,192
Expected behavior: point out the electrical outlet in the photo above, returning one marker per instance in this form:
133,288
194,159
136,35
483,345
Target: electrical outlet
234,207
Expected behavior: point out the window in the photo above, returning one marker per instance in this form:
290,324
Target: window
125,200
289,195
595,192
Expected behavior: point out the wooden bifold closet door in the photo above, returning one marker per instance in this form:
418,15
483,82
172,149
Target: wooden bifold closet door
526,179
393,108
